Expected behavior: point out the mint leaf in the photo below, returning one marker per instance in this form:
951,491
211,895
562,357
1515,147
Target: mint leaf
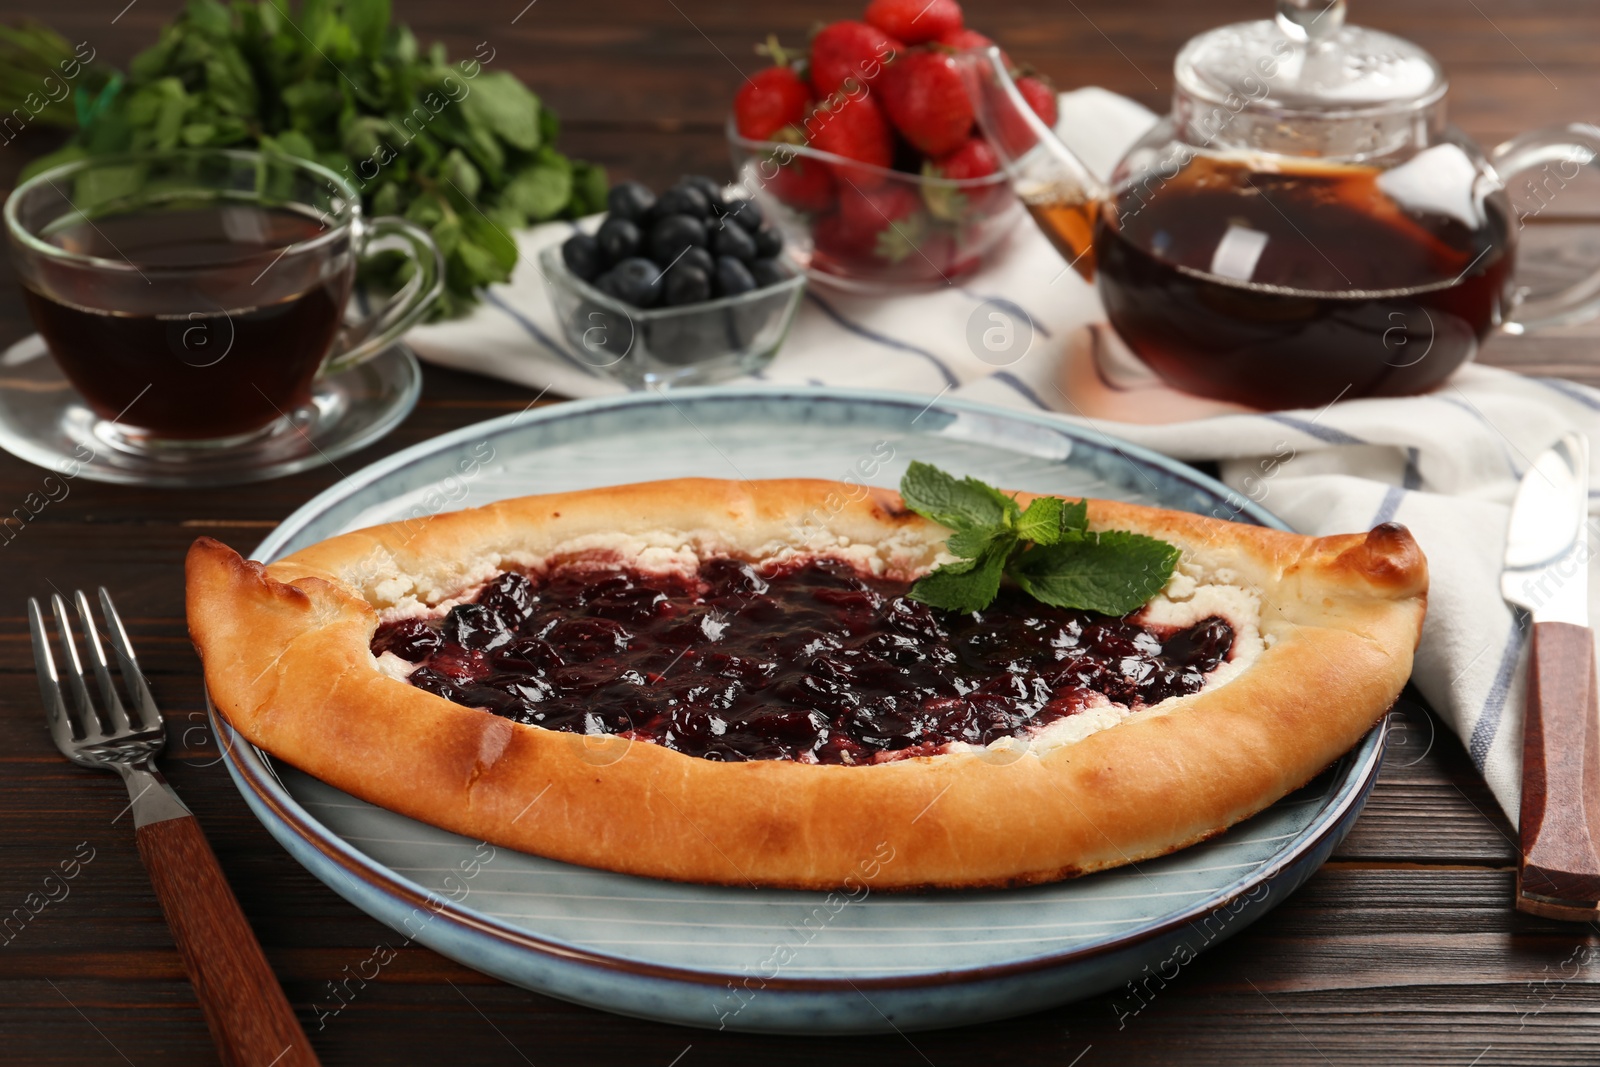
503,104
369,21
967,585
540,191
1074,519
1041,523
1113,573
961,505
1046,550
973,543
338,82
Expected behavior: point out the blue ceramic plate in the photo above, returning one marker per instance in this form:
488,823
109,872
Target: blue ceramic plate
759,959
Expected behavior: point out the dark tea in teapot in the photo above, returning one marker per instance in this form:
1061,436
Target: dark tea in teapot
1276,287
1304,225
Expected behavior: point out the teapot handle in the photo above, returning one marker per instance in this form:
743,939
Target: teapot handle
1549,160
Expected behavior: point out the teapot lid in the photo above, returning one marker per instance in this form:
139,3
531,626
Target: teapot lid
1307,60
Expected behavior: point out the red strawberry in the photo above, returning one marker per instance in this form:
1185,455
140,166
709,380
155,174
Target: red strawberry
974,159
915,21
964,40
852,127
804,184
927,101
838,245
769,101
1040,95
887,222
845,51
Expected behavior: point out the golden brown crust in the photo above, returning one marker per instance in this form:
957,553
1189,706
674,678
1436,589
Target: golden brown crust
286,659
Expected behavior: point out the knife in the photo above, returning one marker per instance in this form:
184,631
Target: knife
1547,573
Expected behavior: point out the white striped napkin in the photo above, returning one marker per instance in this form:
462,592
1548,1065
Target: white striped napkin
1445,464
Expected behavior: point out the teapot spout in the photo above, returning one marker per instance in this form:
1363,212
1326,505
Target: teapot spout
1061,193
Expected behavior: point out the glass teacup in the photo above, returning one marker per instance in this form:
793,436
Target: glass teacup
194,297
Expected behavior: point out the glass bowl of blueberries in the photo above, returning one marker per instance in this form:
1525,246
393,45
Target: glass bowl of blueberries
683,288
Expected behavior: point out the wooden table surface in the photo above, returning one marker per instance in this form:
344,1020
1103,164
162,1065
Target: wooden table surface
1402,949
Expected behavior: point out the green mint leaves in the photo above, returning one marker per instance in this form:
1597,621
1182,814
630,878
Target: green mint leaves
1047,550
459,146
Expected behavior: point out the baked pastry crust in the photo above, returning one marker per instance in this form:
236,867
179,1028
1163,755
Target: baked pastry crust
287,657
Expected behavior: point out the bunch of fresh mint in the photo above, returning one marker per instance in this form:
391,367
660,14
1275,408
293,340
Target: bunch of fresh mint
462,149
1047,550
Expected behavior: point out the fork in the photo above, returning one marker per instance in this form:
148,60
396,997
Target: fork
249,1017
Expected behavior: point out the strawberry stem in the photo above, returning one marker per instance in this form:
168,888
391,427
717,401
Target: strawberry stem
773,50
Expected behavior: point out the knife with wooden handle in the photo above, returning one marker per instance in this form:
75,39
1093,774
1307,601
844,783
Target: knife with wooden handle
1547,574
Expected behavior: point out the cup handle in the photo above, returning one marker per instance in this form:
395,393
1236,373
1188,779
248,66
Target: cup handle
362,340
1561,153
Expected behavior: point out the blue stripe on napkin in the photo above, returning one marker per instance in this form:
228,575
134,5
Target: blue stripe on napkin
1488,724
1571,390
983,298
1021,387
1411,479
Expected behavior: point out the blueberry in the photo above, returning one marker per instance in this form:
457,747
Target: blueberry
672,234
709,188
733,277
698,257
768,272
636,281
732,240
687,284
618,239
581,254
683,199
683,340
769,242
746,213
630,200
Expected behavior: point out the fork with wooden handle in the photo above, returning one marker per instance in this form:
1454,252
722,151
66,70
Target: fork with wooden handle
250,1020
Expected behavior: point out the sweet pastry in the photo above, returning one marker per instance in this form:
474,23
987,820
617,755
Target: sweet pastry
726,682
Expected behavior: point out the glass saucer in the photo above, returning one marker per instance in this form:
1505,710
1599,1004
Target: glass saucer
45,421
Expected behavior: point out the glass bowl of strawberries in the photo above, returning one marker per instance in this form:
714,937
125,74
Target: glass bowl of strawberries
865,152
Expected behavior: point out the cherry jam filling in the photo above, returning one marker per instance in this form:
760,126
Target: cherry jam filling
813,662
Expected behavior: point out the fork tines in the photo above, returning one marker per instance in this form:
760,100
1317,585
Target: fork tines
78,721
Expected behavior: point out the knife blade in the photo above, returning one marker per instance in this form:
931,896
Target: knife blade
1547,544
1547,574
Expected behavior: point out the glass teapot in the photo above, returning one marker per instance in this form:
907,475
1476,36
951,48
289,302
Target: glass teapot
1305,225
